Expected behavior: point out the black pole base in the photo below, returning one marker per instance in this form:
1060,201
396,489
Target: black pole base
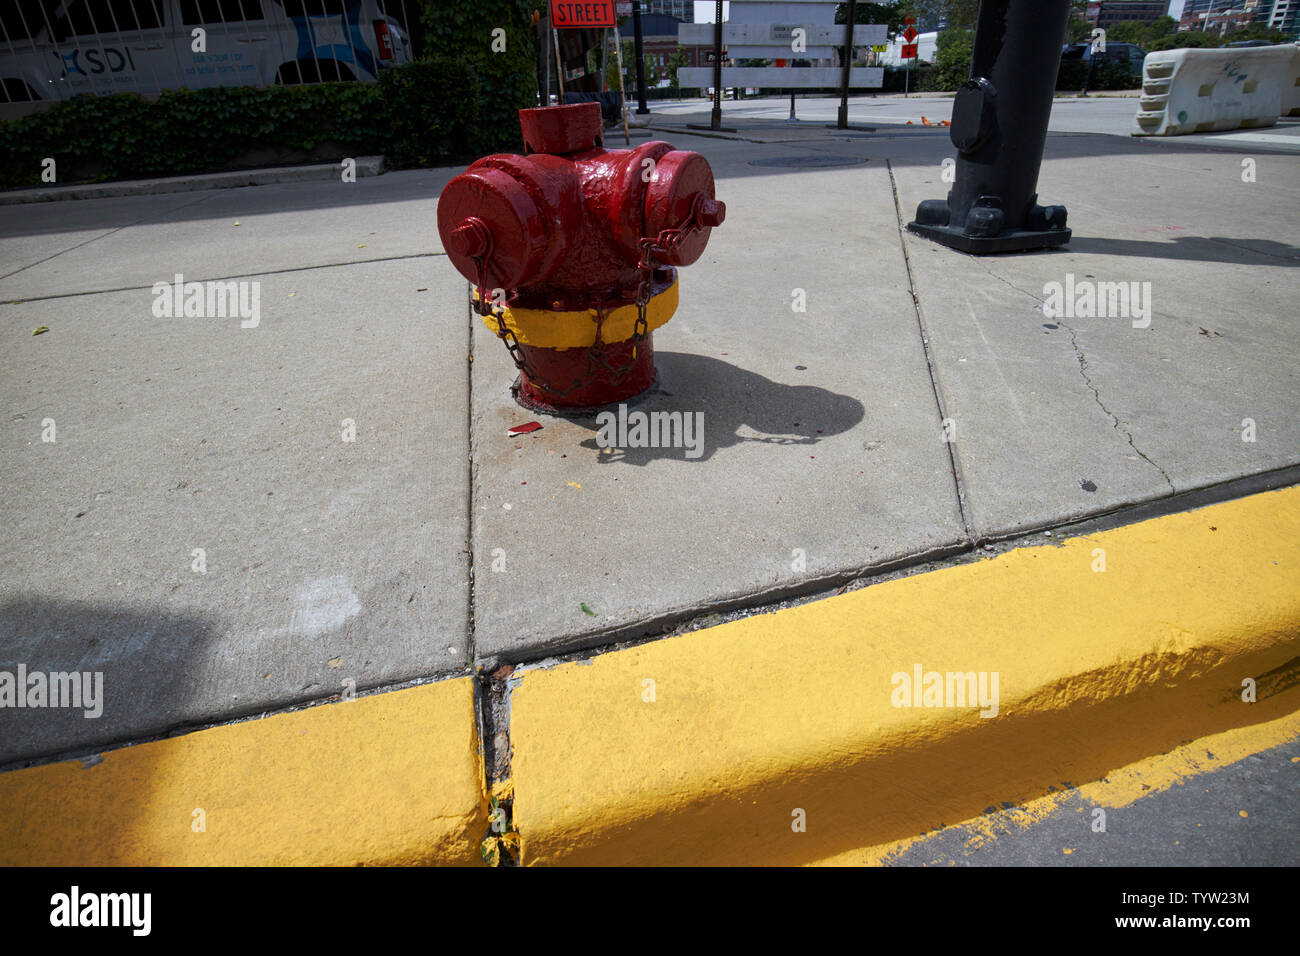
985,231
856,129
1015,240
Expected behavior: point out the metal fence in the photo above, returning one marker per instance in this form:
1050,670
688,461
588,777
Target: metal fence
54,49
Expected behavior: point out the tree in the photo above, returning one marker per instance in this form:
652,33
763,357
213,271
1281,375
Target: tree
1077,27
1163,26
890,14
1256,31
1126,31
1186,39
629,68
952,57
1143,34
678,60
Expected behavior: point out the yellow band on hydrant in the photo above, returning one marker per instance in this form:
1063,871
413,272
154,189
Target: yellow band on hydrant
545,329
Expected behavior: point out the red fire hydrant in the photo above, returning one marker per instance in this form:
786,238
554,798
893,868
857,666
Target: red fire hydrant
572,250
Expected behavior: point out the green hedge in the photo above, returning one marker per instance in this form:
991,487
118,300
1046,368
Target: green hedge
506,79
416,115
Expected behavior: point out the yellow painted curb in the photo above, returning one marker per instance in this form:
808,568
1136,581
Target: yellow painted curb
776,739
386,779
545,329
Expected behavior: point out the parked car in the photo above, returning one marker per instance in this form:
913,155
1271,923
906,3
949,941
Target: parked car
1126,55
145,46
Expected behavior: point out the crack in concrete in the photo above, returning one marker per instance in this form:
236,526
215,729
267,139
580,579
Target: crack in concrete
1083,371
1087,379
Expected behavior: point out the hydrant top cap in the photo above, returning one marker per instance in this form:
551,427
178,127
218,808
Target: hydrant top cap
561,129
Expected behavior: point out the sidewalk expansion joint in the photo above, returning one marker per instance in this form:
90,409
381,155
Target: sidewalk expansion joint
954,463
55,255
241,275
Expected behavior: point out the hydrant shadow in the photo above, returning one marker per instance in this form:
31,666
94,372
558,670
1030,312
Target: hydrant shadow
701,405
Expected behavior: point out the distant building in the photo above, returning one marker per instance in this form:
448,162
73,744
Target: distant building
659,34
1218,16
683,10
1281,15
1110,12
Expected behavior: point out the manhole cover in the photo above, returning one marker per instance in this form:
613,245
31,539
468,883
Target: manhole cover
815,162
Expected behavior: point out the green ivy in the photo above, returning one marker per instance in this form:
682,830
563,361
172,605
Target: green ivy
506,78
416,115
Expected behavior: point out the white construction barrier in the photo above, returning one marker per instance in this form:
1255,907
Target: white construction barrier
1201,91
782,78
1291,88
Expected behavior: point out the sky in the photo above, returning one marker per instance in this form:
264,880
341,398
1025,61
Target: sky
704,11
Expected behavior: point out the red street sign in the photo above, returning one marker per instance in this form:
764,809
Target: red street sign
910,34
579,14
909,51
909,19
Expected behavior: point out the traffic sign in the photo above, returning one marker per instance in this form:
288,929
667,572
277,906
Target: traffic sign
909,51
910,34
571,14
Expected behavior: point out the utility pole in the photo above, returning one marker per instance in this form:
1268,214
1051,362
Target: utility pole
641,108
717,65
843,122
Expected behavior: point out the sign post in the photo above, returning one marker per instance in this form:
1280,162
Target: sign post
909,51
639,51
622,95
715,122
842,121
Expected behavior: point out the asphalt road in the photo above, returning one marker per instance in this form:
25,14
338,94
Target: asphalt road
1109,114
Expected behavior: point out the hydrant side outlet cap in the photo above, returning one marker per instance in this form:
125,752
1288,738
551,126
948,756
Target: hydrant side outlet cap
678,179
488,200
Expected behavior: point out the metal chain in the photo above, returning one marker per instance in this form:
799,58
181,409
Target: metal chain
596,354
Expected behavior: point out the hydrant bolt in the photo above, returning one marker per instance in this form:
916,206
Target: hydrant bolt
712,213
472,238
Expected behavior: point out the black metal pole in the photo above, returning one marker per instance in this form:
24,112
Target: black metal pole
999,126
716,122
639,49
843,122
717,66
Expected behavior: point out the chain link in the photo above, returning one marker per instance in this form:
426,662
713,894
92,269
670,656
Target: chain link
665,242
596,353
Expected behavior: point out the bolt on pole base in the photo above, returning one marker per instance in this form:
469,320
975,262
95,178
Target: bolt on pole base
999,128
1015,240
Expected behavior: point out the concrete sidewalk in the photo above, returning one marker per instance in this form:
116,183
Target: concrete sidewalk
232,521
